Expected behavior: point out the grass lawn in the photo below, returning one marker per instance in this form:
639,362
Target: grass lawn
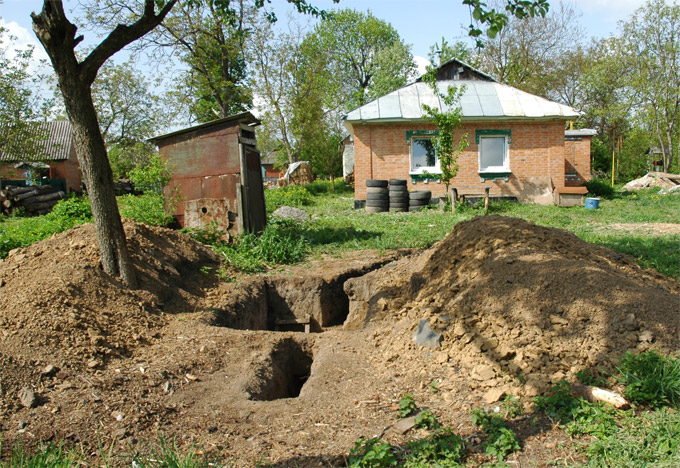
620,224
647,435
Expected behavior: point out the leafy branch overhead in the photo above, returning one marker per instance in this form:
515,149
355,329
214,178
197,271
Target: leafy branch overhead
496,20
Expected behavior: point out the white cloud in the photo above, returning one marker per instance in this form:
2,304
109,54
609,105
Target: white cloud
421,65
24,39
610,11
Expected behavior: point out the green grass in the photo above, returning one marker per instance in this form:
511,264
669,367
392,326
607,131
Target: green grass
337,227
17,231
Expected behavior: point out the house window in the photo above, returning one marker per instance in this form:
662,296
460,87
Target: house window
423,156
493,154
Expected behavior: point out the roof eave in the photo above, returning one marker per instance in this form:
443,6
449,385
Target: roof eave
465,119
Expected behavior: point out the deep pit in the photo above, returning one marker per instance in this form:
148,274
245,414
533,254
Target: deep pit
292,302
283,372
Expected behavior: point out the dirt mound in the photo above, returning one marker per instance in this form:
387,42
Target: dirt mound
516,302
59,307
519,307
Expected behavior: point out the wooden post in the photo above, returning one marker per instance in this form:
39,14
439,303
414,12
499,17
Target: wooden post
454,199
486,200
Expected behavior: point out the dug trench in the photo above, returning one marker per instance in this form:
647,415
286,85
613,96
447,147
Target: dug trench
200,363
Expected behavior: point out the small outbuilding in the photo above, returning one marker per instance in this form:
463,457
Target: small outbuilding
518,145
216,174
53,161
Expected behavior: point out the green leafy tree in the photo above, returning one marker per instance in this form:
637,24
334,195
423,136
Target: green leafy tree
495,19
447,121
525,52
129,112
364,54
652,40
17,133
210,42
443,52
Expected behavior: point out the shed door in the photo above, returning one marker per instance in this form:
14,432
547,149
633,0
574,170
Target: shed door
256,214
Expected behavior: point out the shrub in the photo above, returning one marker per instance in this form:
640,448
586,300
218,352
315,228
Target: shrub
147,209
651,379
599,188
319,187
74,209
153,176
293,195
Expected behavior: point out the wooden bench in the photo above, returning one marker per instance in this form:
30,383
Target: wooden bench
570,196
459,193
307,321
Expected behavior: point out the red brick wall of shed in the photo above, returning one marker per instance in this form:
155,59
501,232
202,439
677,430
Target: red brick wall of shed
206,165
537,151
577,161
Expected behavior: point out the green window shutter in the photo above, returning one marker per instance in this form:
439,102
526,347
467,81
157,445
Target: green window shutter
490,132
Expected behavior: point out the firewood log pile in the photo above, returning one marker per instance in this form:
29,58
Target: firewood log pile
35,200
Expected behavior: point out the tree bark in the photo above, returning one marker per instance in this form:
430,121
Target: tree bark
58,36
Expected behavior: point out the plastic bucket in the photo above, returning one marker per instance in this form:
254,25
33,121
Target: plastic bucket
592,203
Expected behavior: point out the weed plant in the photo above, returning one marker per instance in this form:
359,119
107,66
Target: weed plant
648,440
407,406
501,440
148,209
281,243
651,379
560,404
18,232
50,456
371,453
293,195
442,449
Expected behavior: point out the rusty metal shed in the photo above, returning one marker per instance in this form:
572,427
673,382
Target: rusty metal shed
216,174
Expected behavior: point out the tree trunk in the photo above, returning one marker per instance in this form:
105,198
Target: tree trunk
94,162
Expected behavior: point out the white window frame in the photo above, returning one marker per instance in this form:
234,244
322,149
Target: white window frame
436,169
506,155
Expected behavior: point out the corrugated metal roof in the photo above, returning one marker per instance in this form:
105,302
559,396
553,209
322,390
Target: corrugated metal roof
55,139
245,117
481,100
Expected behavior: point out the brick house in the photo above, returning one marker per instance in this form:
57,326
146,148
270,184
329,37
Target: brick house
517,141
56,158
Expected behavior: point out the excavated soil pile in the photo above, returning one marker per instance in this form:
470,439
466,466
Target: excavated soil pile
86,361
516,302
58,306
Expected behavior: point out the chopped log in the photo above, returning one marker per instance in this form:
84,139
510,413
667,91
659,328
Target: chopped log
595,394
41,206
18,190
43,198
23,196
7,203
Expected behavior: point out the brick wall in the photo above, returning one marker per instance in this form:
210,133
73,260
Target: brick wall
536,157
577,160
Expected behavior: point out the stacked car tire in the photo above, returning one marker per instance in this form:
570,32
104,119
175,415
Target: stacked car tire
377,196
419,199
398,193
